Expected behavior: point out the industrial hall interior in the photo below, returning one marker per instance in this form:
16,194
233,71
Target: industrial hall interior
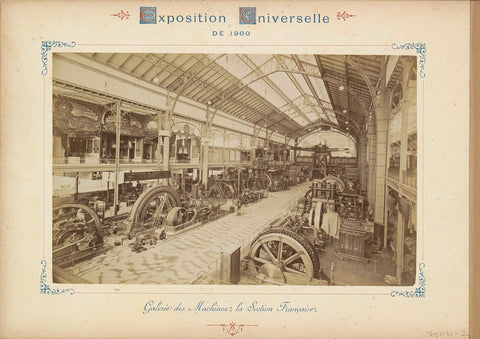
234,169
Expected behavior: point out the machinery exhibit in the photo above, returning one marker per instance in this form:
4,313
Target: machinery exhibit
285,252
79,229
233,169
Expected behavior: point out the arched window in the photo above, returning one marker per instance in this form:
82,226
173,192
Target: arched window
216,139
215,149
246,142
233,141
185,143
233,144
245,154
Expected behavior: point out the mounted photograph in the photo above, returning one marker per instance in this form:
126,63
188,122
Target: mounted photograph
234,169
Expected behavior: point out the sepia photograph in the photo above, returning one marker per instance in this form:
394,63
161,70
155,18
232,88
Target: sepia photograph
270,169
234,169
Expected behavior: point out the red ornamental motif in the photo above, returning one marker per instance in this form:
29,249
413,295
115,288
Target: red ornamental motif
344,15
232,328
121,15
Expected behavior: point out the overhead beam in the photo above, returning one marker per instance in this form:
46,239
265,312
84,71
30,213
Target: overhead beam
354,131
336,130
110,58
347,76
337,114
289,130
365,78
322,73
288,65
299,88
284,128
238,82
125,61
310,86
327,78
270,83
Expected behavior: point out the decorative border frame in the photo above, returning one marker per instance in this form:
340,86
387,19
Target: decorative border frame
47,46
44,288
419,292
420,48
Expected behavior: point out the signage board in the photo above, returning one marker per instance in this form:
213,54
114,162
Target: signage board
134,176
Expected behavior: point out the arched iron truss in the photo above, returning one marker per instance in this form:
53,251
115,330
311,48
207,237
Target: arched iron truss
348,135
232,94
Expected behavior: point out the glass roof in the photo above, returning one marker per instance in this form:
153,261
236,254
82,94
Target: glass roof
308,58
302,83
295,90
268,93
260,59
282,81
320,89
232,65
277,87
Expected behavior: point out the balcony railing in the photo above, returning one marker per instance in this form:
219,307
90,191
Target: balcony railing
111,161
184,161
96,161
394,173
409,177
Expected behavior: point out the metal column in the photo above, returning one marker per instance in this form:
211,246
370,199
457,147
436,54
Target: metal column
205,162
118,122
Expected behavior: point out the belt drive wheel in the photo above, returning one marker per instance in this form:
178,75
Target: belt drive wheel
75,224
269,182
151,207
282,252
228,190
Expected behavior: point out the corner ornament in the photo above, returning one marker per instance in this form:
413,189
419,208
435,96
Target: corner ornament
44,288
47,46
419,292
421,50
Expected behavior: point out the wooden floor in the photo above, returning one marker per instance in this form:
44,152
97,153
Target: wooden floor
180,260
183,258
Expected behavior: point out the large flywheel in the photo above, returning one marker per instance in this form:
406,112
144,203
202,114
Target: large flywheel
75,225
228,190
267,180
262,182
284,256
152,207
